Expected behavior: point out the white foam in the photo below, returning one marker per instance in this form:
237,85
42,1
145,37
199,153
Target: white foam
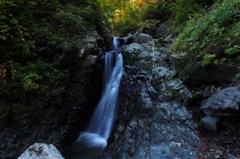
92,140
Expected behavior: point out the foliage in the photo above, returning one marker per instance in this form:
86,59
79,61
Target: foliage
184,10
14,37
232,50
30,81
208,58
126,20
36,36
127,16
159,11
238,76
35,77
208,34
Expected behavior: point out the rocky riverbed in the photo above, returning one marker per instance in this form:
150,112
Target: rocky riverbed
160,113
162,116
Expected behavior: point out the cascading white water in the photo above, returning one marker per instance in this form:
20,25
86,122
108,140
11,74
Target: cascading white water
91,143
115,43
99,129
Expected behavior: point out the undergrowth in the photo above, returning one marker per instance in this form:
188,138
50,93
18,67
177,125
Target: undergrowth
213,35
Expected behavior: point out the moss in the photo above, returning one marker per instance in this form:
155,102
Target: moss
129,58
147,65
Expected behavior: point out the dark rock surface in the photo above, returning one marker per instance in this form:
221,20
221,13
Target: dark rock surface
210,123
222,103
149,28
193,72
156,122
155,119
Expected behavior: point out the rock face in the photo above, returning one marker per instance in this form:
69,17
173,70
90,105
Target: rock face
154,120
41,151
152,103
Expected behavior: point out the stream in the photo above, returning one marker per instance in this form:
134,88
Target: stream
93,140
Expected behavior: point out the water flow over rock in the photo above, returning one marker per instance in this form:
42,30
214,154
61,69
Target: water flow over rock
96,135
103,117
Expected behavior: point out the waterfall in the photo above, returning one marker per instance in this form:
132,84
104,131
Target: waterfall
115,43
100,126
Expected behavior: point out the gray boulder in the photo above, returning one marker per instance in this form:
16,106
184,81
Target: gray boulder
210,123
159,72
41,151
222,102
134,47
143,38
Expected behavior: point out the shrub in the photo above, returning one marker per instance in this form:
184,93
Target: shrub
184,10
212,32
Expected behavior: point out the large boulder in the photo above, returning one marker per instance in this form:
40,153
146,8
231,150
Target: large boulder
222,103
41,151
143,38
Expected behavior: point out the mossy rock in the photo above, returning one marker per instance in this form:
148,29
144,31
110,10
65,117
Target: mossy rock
193,72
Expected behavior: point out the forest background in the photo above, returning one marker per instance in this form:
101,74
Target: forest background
37,35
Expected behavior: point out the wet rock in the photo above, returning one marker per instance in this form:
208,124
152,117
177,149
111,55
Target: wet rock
132,69
141,73
222,103
179,91
146,99
168,112
210,123
151,89
145,55
159,72
129,39
134,47
154,121
40,151
165,95
170,74
143,38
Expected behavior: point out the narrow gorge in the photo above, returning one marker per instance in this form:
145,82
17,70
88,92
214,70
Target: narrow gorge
119,79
